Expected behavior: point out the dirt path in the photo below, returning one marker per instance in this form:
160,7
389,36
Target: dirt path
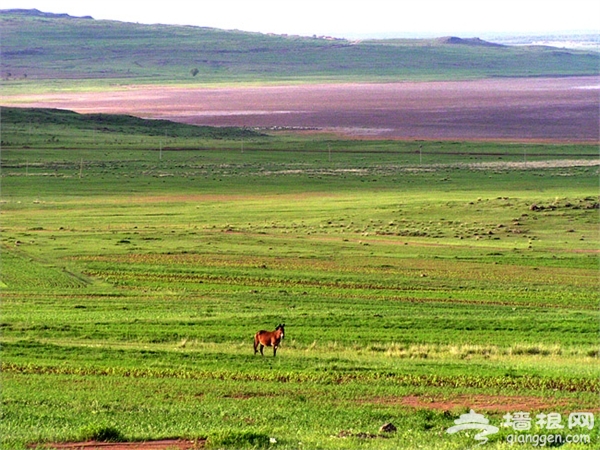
167,444
518,109
481,402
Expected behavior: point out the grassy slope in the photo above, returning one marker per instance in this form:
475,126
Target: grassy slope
47,49
130,295
56,121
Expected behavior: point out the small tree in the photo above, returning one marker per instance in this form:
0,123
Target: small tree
194,71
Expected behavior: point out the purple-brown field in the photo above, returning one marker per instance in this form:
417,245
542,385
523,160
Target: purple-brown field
535,109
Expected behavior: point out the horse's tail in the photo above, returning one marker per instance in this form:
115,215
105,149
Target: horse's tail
255,342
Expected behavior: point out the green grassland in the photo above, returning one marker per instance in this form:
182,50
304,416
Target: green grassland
137,264
44,52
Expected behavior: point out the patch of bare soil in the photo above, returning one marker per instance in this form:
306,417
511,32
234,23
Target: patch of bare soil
514,109
166,444
478,402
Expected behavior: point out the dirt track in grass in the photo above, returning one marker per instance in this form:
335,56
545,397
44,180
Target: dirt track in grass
166,444
513,109
483,402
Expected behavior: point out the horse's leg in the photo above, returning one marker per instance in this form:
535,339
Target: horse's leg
274,350
261,350
257,343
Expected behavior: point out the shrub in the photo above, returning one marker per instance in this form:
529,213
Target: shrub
238,439
102,433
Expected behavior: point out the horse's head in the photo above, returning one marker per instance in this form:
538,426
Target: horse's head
281,328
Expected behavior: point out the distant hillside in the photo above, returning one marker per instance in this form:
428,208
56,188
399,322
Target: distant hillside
42,46
117,123
469,41
38,13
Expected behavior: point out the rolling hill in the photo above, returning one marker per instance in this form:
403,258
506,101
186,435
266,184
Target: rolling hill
38,46
114,123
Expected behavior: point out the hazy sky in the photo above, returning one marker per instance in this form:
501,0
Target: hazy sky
343,18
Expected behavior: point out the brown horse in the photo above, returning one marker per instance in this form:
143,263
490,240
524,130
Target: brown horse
269,339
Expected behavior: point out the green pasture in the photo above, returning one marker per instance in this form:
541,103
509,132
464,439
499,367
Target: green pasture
136,269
